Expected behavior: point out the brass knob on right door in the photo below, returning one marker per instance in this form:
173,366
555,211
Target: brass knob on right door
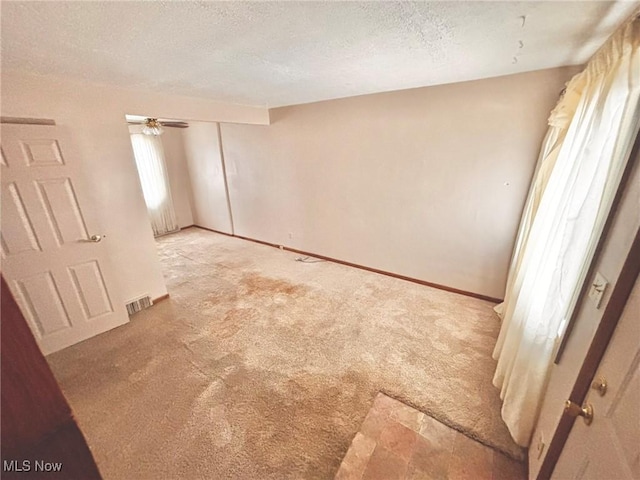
600,386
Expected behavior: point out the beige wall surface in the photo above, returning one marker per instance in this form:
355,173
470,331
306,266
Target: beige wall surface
210,206
178,173
427,183
95,116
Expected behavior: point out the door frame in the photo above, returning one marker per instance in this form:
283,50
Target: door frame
612,313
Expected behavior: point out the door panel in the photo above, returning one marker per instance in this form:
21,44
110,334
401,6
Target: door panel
61,279
17,232
624,411
42,152
41,297
608,448
91,290
63,212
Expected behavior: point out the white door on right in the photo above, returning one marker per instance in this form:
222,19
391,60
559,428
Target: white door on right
609,448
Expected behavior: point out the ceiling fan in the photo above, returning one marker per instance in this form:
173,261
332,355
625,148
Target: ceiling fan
153,126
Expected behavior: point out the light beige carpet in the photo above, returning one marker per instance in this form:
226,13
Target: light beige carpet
262,367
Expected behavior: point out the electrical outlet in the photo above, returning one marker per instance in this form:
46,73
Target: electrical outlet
598,286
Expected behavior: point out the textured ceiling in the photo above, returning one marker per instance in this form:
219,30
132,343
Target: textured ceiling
283,53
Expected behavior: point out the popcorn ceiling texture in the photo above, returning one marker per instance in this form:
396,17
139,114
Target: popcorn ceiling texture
261,367
284,53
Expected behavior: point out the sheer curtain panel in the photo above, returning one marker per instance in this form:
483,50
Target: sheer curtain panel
558,122
149,157
563,221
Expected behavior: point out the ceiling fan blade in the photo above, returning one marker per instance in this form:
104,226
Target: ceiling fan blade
175,124
170,124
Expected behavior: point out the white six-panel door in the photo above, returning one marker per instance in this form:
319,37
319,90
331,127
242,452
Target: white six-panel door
61,278
609,448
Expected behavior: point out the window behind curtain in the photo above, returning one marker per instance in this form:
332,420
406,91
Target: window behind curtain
155,182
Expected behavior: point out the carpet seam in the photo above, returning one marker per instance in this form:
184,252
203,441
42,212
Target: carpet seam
459,428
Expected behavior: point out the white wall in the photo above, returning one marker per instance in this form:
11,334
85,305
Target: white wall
96,117
210,206
427,183
609,263
178,172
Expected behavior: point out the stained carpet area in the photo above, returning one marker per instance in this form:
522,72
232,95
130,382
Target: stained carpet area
262,367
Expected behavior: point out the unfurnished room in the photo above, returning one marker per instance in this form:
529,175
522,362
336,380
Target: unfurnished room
320,240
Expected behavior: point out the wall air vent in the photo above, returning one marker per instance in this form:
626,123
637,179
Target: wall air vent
139,304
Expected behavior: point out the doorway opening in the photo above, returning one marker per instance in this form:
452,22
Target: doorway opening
182,173
161,165
180,165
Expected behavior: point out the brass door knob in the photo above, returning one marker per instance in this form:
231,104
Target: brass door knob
600,385
575,410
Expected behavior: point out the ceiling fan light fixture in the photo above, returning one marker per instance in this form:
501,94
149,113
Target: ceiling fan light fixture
151,126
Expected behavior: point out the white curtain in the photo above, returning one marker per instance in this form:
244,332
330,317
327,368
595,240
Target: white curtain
149,157
583,162
559,121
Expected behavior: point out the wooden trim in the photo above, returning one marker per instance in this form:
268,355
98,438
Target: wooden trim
27,121
362,267
401,277
188,226
633,158
160,298
613,311
262,242
215,231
